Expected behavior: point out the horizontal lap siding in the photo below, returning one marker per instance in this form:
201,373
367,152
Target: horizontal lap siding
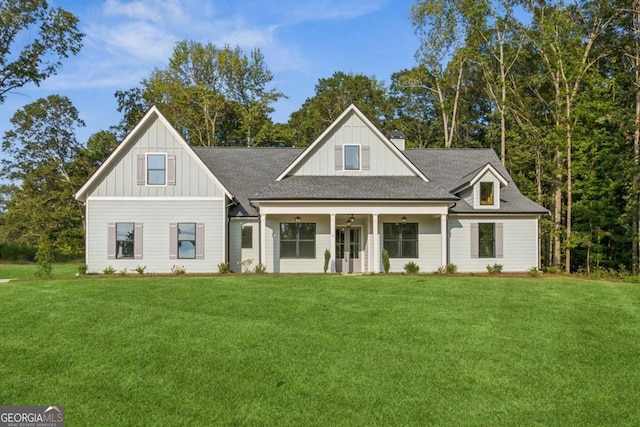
236,252
520,244
296,265
429,243
155,216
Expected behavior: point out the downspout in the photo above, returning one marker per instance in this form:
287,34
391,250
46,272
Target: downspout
233,202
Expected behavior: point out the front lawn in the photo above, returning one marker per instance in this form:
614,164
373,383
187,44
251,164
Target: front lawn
26,270
323,350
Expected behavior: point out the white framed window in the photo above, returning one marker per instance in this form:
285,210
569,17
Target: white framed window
352,157
156,169
486,194
124,240
186,240
297,240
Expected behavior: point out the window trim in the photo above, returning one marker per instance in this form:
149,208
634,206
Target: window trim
344,160
492,198
132,240
194,240
147,169
482,225
400,240
297,240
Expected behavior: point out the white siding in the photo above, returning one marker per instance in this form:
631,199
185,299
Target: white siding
155,216
520,244
191,180
429,243
236,252
296,265
353,132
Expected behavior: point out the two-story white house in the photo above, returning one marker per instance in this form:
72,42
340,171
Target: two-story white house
157,202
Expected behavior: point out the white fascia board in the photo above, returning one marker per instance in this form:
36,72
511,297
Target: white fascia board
489,168
355,110
152,114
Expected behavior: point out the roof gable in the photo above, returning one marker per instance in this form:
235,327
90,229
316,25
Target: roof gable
152,118
377,156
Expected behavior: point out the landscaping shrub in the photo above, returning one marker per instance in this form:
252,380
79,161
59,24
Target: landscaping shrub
411,267
386,264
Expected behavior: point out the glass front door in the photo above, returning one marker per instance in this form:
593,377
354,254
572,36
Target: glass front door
348,250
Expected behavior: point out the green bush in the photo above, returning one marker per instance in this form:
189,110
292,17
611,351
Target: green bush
224,268
44,256
178,269
533,271
109,270
327,258
260,269
494,269
140,269
386,264
411,267
447,269
12,252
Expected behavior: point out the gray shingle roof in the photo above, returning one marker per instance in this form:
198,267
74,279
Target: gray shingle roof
250,173
353,188
244,171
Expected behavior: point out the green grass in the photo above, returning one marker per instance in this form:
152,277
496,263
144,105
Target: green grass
323,350
30,270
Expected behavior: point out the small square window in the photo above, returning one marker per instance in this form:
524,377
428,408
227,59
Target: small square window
486,193
351,157
156,169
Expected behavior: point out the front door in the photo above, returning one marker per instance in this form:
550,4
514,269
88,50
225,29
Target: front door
348,250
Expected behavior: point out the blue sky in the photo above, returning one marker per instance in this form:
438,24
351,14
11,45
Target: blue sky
302,41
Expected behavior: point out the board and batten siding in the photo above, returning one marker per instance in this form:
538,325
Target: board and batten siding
121,180
382,162
519,243
236,252
155,216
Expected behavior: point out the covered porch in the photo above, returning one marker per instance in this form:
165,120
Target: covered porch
294,236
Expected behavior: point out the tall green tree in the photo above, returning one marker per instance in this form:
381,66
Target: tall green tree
332,96
41,150
212,95
51,35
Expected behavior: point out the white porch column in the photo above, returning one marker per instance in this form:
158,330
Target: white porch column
376,245
332,247
263,240
444,231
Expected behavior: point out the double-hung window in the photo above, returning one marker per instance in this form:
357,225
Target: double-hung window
156,169
486,240
186,240
125,236
351,157
401,240
297,240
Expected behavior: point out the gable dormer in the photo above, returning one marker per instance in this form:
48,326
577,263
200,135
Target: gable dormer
486,185
482,188
352,146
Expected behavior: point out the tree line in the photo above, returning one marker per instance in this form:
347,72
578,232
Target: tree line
553,87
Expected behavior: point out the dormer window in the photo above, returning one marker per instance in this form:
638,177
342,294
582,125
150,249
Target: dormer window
351,157
486,194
